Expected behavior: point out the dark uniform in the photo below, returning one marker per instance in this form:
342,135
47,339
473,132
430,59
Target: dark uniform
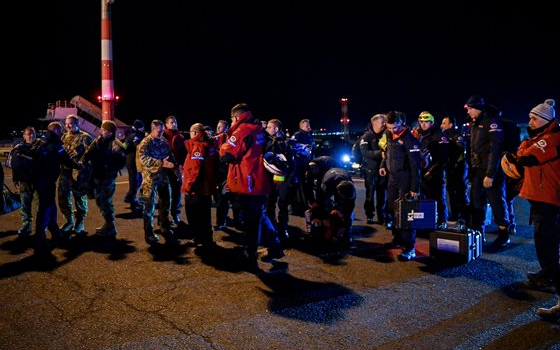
23,175
486,151
456,176
402,162
317,168
50,157
282,190
131,141
303,144
329,198
376,185
433,183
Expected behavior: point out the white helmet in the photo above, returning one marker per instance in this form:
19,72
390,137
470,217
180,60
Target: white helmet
276,164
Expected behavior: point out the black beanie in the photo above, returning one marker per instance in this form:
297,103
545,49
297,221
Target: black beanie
476,102
138,124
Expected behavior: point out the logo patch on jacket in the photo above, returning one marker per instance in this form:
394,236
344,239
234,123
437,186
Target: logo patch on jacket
232,140
197,155
541,144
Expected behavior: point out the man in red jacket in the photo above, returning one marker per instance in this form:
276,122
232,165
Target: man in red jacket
540,157
247,176
176,142
200,173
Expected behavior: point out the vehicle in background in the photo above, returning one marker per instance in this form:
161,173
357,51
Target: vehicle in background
340,148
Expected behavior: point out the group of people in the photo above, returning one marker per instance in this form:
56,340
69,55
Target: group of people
254,168
468,166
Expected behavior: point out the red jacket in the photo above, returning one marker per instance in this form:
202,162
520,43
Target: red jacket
176,143
244,153
200,169
542,181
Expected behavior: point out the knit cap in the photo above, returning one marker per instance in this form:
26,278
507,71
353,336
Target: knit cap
545,110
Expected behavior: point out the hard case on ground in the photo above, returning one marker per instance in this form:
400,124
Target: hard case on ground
415,214
456,246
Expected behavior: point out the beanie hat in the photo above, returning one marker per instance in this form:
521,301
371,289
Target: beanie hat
426,117
476,102
109,125
545,110
138,124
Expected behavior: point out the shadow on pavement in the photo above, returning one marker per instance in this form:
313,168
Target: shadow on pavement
289,294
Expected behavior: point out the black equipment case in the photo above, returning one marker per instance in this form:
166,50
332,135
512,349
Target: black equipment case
458,245
415,214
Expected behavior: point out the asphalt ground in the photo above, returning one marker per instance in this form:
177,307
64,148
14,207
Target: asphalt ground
93,294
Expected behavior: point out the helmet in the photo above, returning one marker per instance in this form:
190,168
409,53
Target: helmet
426,117
302,149
510,168
276,164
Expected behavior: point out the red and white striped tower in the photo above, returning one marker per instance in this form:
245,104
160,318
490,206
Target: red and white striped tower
107,88
344,120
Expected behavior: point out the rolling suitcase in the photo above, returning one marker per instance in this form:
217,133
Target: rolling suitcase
415,214
457,245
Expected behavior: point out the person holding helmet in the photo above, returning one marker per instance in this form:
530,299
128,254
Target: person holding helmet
540,157
486,175
279,161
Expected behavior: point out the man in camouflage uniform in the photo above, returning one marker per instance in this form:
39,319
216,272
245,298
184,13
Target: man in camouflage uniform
107,156
155,158
75,143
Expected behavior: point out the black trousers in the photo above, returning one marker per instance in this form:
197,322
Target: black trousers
47,211
252,207
281,195
434,188
546,221
198,208
376,194
175,182
495,195
458,191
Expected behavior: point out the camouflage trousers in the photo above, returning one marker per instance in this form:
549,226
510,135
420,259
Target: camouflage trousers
104,191
155,191
65,195
29,198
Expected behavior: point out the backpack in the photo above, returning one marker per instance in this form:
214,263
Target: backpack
23,161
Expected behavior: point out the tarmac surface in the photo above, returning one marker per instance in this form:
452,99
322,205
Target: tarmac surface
93,294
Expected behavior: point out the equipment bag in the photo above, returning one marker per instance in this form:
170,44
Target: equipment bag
10,201
415,213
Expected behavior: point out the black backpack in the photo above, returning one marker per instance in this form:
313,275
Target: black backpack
23,161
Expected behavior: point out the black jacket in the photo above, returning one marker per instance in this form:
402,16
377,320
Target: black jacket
435,141
403,158
371,153
487,141
107,157
50,156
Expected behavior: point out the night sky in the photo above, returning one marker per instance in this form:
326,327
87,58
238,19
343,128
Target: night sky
290,61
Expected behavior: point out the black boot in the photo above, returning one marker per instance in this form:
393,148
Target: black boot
502,241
